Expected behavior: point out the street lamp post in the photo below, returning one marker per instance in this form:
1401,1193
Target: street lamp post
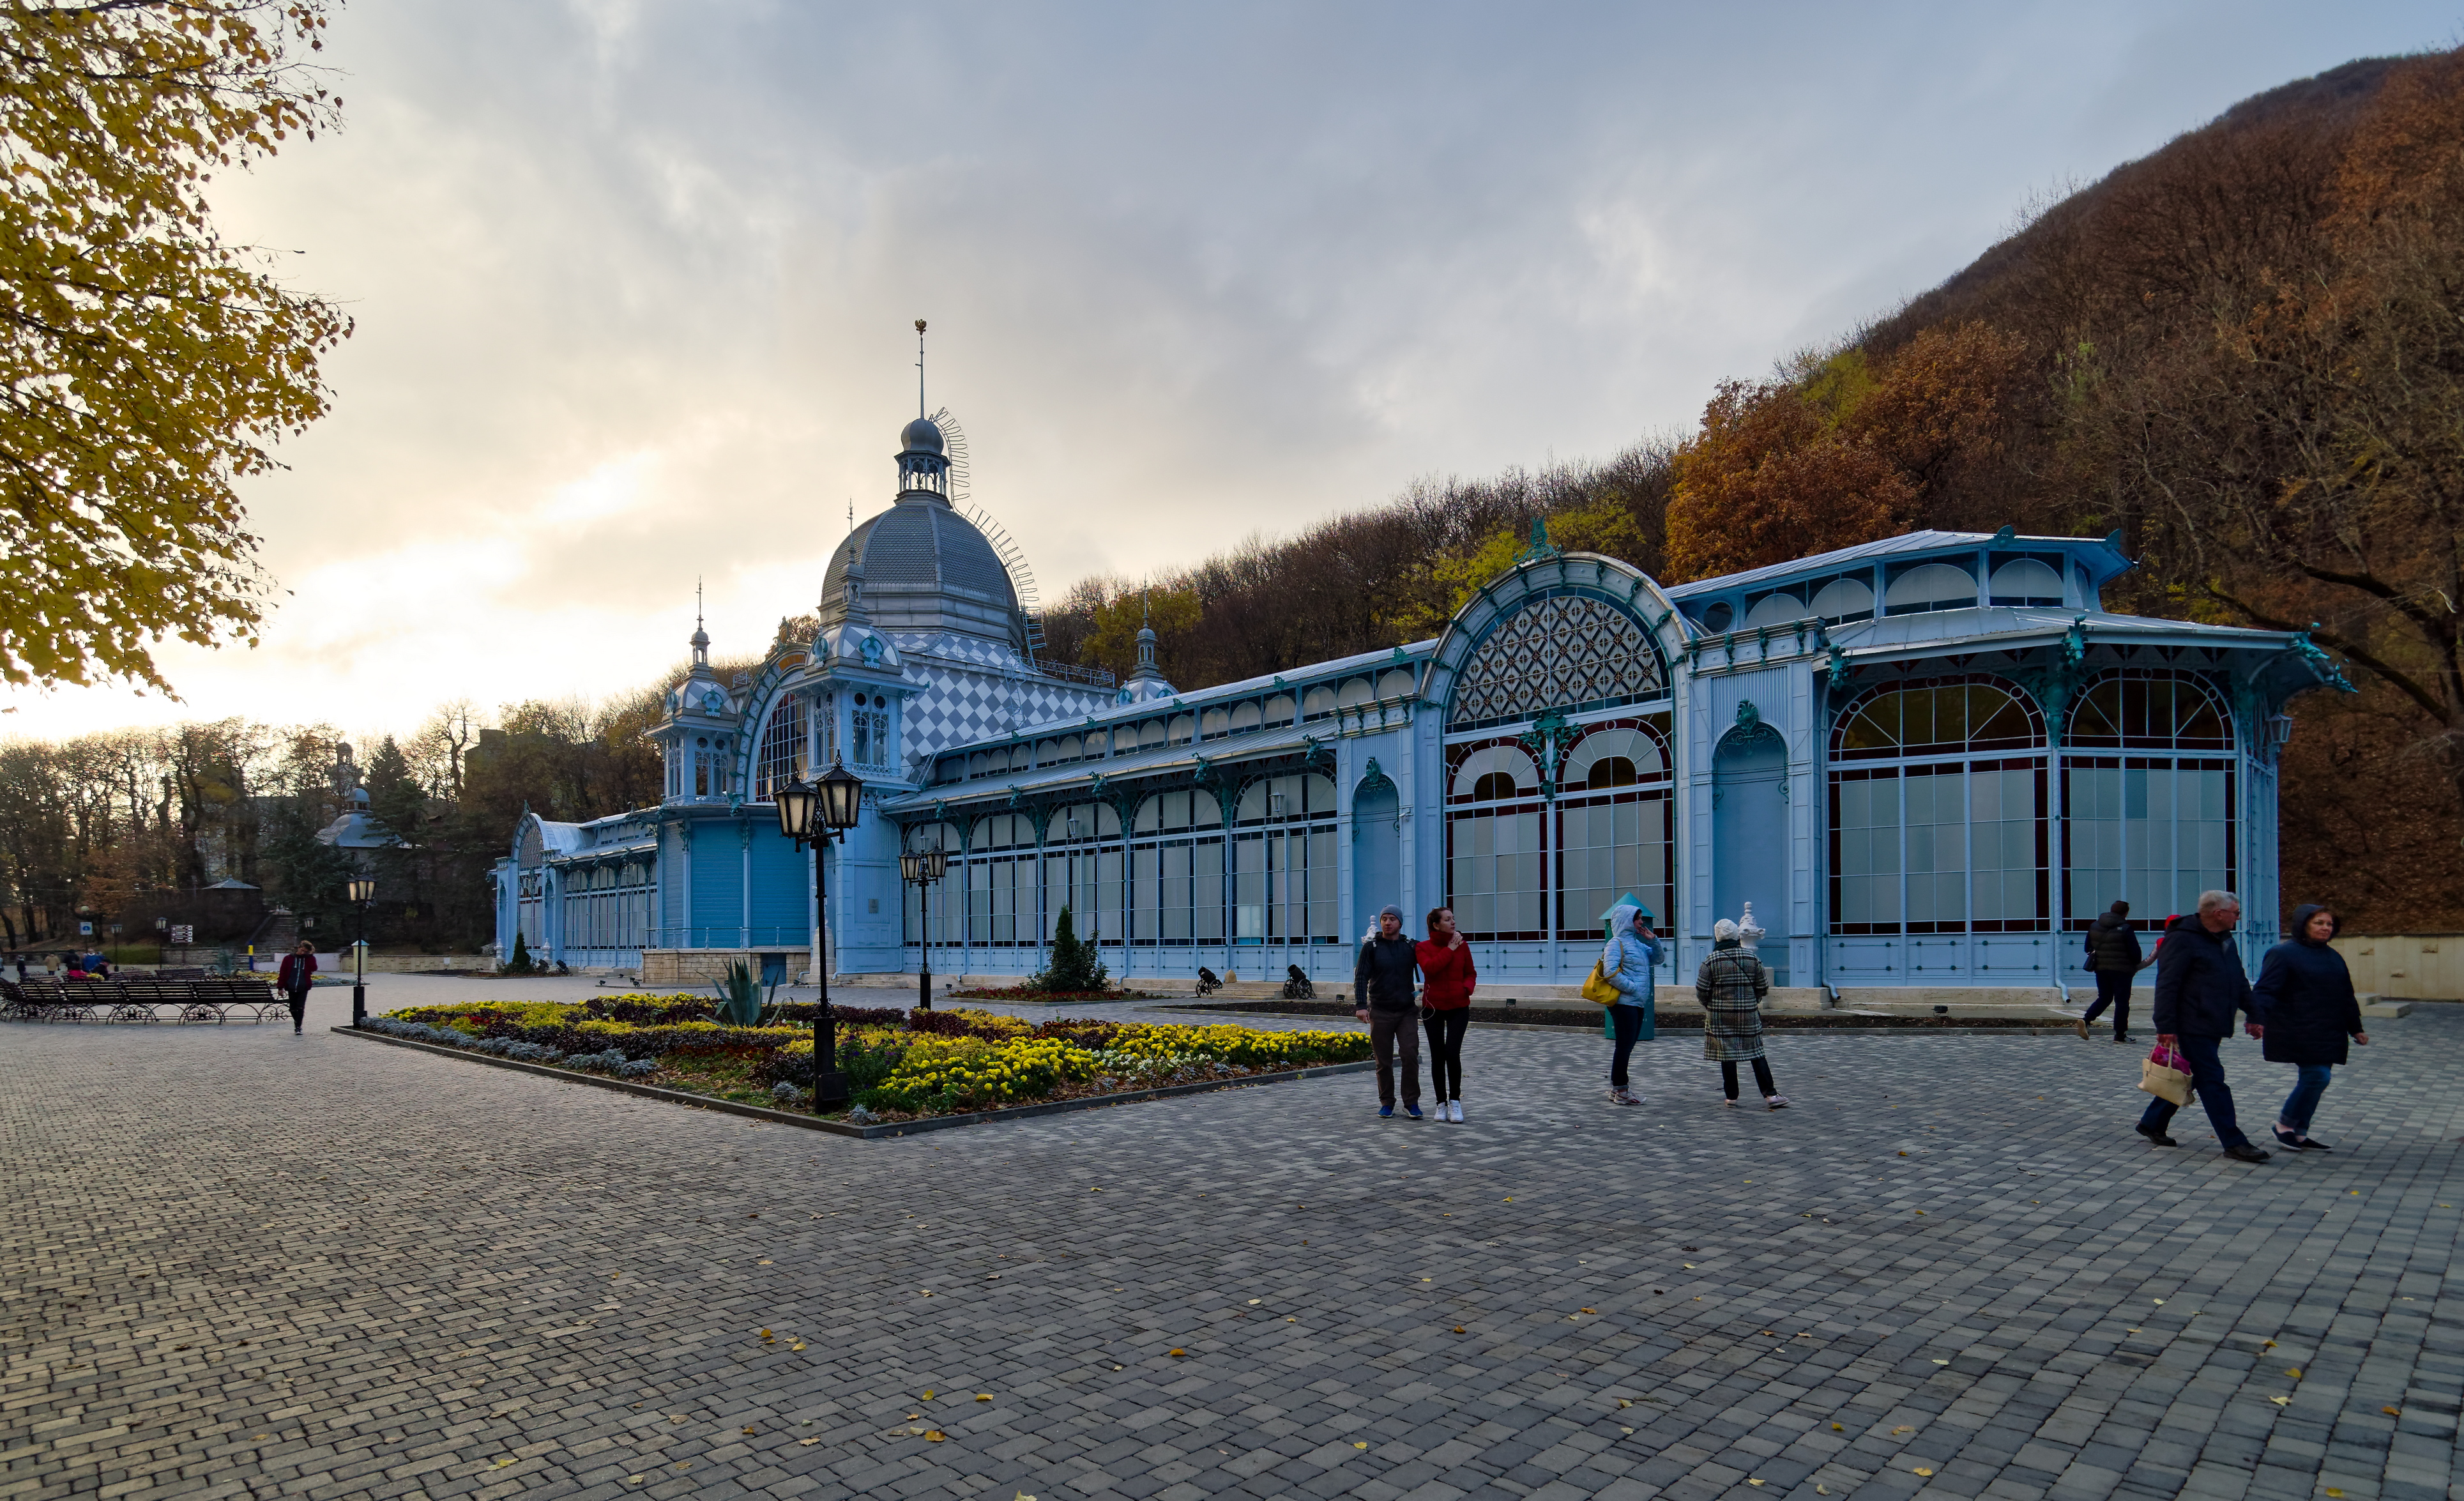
924,868
364,891
817,814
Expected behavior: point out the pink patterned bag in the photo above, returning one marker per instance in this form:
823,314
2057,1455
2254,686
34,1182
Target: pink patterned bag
2166,1075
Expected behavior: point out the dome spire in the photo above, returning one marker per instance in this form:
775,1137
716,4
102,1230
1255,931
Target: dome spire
919,367
700,637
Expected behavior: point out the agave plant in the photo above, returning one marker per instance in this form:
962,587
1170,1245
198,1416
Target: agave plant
740,994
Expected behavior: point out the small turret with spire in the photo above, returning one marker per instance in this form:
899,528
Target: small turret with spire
1146,682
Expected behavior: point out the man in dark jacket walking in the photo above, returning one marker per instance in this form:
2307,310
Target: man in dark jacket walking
2113,956
2199,985
1383,982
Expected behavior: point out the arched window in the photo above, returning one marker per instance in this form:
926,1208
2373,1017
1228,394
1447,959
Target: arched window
1612,827
1930,585
1490,772
1355,693
1318,702
782,747
1843,599
1936,826
1245,717
1938,716
2154,830
1397,684
2141,709
2026,581
1567,651
1778,608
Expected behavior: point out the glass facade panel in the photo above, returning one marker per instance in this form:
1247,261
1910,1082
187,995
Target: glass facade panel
1865,851
1493,870
2152,831
1606,849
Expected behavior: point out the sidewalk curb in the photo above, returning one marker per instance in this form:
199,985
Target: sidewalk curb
900,1127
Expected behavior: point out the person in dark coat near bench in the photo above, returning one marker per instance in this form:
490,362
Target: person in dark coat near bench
297,973
2305,1000
2200,983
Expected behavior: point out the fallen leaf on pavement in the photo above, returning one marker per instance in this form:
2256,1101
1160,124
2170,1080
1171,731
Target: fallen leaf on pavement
2282,1402
983,1396
1176,1353
933,1435
2295,1372
1922,1471
1359,1445
807,1442
2391,1412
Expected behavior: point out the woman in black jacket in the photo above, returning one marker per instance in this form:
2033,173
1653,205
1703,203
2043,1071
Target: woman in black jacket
2305,1002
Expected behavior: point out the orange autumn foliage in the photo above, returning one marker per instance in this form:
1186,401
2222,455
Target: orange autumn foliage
1839,451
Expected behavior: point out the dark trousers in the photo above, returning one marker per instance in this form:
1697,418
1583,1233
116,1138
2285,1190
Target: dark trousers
299,1008
1445,1030
1627,1020
2113,990
1762,1078
2207,1077
1391,1032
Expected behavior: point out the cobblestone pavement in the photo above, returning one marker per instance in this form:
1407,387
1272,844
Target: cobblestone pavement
239,1262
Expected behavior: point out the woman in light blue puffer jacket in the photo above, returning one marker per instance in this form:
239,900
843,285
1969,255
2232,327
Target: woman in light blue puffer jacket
1626,963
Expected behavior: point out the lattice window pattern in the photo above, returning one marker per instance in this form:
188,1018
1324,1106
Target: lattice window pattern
1568,653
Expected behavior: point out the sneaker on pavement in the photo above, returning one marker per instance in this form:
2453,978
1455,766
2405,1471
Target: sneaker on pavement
1732,1104
1454,1111
2314,1144
2157,1136
2290,1140
2244,1152
1384,1111
1412,1108
2082,1030
1776,1102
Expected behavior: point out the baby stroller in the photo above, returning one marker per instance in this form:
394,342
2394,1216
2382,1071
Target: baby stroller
1296,985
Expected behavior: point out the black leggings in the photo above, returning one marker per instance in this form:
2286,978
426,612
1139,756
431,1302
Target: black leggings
1762,1078
299,999
1445,1030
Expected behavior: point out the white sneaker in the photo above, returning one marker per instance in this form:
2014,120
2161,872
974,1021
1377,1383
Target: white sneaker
1454,1111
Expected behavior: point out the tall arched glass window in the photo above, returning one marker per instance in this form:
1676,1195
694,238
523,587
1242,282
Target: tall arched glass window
783,746
1082,870
1938,810
2152,830
1613,826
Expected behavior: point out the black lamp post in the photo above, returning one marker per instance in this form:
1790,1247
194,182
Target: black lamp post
817,814
364,891
925,867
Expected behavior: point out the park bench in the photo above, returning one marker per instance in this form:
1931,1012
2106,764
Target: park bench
141,998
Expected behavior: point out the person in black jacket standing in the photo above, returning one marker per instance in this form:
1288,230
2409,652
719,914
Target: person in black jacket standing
2306,1001
2113,955
2200,983
1382,983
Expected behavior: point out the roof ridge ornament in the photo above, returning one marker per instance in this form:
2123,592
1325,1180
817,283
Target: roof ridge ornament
1541,548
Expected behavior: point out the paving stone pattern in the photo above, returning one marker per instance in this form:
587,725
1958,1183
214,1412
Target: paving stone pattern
241,1263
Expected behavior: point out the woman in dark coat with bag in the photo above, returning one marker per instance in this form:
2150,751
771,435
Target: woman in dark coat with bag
2306,1000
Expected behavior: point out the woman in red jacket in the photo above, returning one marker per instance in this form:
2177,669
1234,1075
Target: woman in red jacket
1447,985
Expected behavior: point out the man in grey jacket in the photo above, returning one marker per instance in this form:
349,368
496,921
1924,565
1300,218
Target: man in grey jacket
1382,995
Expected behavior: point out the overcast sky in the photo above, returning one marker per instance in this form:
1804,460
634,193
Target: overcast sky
635,282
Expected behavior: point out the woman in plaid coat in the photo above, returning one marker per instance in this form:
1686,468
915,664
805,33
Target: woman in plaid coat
1731,986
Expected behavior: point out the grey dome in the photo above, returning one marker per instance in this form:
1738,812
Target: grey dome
926,567
921,437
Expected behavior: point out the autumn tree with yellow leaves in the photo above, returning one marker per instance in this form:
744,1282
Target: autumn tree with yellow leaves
149,364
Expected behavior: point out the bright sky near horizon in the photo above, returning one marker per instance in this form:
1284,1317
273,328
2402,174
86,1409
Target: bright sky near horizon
635,282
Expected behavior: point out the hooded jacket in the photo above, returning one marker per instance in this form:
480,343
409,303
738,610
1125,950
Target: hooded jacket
2305,998
2200,983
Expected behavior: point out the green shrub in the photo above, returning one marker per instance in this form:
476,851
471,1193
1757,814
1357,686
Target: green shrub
1073,968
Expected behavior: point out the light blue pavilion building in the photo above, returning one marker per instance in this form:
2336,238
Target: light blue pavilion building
1927,762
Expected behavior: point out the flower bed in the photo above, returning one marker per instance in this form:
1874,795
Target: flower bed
899,1065
1028,996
